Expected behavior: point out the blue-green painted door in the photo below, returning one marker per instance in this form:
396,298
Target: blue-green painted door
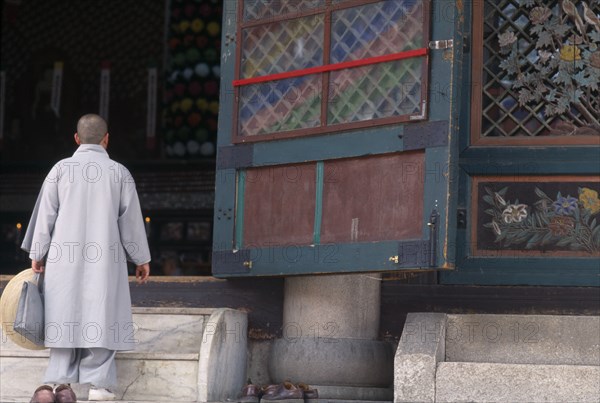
337,137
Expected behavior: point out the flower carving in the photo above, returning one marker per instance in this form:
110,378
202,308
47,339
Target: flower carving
565,205
561,225
539,15
563,222
589,199
595,59
514,213
507,38
570,53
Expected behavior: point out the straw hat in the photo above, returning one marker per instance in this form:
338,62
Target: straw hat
9,302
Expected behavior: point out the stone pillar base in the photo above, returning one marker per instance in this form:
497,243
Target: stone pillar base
330,361
330,329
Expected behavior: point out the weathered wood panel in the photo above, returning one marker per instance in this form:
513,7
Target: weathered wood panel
279,205
373,198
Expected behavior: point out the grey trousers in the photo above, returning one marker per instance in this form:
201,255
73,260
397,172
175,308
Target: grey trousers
82,365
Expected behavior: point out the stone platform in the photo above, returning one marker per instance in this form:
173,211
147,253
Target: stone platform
182,355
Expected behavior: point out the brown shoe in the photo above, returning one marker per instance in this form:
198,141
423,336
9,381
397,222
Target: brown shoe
43,394
285,390
308,392
64,394
250,394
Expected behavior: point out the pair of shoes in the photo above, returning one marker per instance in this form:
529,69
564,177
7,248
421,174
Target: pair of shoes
64,394
100,394
282,391
43,394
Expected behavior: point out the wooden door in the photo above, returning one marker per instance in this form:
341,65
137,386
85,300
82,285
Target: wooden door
337,136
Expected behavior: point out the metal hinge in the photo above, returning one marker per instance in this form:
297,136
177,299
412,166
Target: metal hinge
443,44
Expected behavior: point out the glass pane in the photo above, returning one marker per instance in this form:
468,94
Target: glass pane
376,91
257,9
280,106
282,46
541,70
376,29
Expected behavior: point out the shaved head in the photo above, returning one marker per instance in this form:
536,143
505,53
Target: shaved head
91,129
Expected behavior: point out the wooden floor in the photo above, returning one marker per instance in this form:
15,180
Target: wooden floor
263,299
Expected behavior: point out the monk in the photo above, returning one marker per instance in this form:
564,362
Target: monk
85,226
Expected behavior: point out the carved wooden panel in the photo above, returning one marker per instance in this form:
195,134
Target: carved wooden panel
537,215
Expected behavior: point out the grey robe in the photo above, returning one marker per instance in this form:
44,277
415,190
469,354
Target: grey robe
86,223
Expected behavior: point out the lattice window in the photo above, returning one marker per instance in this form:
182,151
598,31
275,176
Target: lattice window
311,66
540,69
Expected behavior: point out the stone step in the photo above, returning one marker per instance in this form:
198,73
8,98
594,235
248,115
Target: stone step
182,356
499,358
157,330
485,382
523,339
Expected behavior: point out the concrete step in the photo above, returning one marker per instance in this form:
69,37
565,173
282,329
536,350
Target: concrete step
177,354
523,339
485,382
498,358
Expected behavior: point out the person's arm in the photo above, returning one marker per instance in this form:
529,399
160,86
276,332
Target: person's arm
132,229
41,225
142,272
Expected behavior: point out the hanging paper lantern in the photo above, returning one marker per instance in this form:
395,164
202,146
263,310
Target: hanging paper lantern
188,40
202,104
202,69
213,28
178,121
192,55
190,10
174,43
188,73
195,88
184,133
205,10
211,88
212,125
179,59
197,25
179,149
201,42
214,107
201,134
186,105
184,26
211,55
207,149
194,119
180,89
193,147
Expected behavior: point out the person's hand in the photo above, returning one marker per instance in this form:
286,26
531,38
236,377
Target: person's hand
37,266
142,272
